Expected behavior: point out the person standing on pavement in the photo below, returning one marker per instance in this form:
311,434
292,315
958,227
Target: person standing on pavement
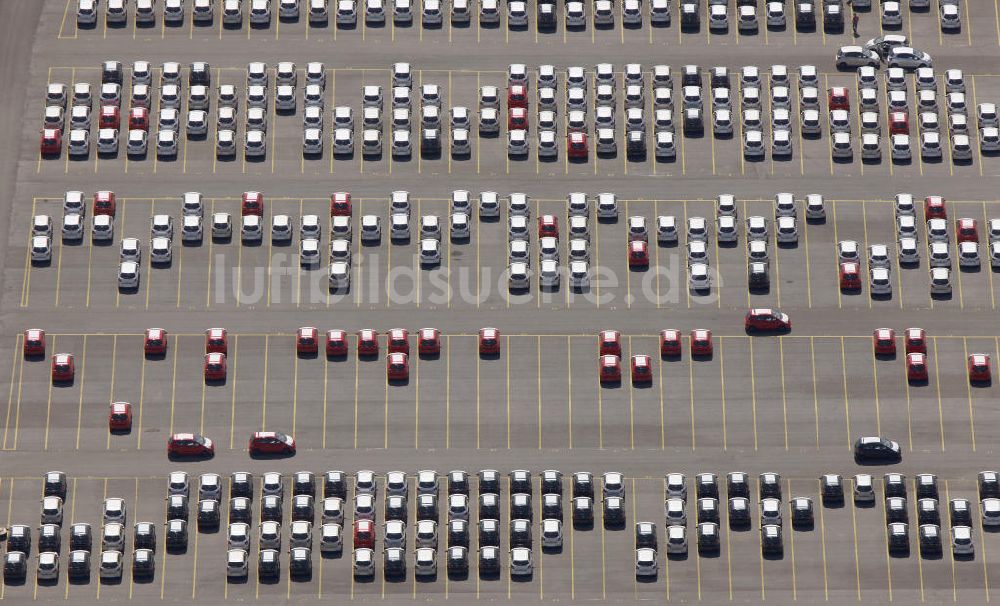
854,21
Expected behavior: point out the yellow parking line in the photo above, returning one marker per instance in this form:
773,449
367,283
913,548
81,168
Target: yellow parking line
173,388
937,384
968,391
357,363
506,389
847,407
111,395
753,395
968,33
888,558
784,401
722,383
263,403
951,553
691,397
854,527
791,542
10,391
26,278
812,356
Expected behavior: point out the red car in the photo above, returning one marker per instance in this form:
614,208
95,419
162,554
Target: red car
399,341
916,340
489,341
638,254
307,340
610,369
252,204
51,141
766,320
104,203
850,276
670,342
397,367
839,98
138,119
155,342
336,342
364,534
966,230
899,123
120,416
367,342
517,119
611,343
548,226
979,368
215,366
270,442
517,96
642,370
916,367
340,204
190,445
110,117
884,341
63,367
34,342
701,342
429,342
216,341
576,145
934,208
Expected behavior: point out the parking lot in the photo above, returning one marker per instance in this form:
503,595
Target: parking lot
792,404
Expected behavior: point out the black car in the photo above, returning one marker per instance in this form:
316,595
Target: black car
208,514
875,449
395,508
635,143
15,566
583,510
241,485
802,512
489,506
144,536
739,512
895,510
720,77
458,483
270,508
894,485
520,506
394,561
930,540
489,533
926,486
302,508
240,510
489,560
430,141
708,538
928,512
833,16
268,564
177,507
758,275
706,486
304,482
427,507
614,511
770,486
770,540
690,16
520,533
546,16
960,512
899,537
300,562
334,485
177,534
19,538
489,481
805,14
583,484
55,484
832,488
80,537
520,481
552,507
552,482
645,535
143,563
200,73
458,533
458,560
737,485
79,564
989,485
111,72
690,75
694,124
708,510
49,538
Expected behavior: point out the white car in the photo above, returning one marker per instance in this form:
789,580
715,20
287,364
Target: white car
166,143
968,254
940,280
517,142
41,249
347,13
160,250
222,225
907,250
430,251
340,275
102,228
128,275
312,141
